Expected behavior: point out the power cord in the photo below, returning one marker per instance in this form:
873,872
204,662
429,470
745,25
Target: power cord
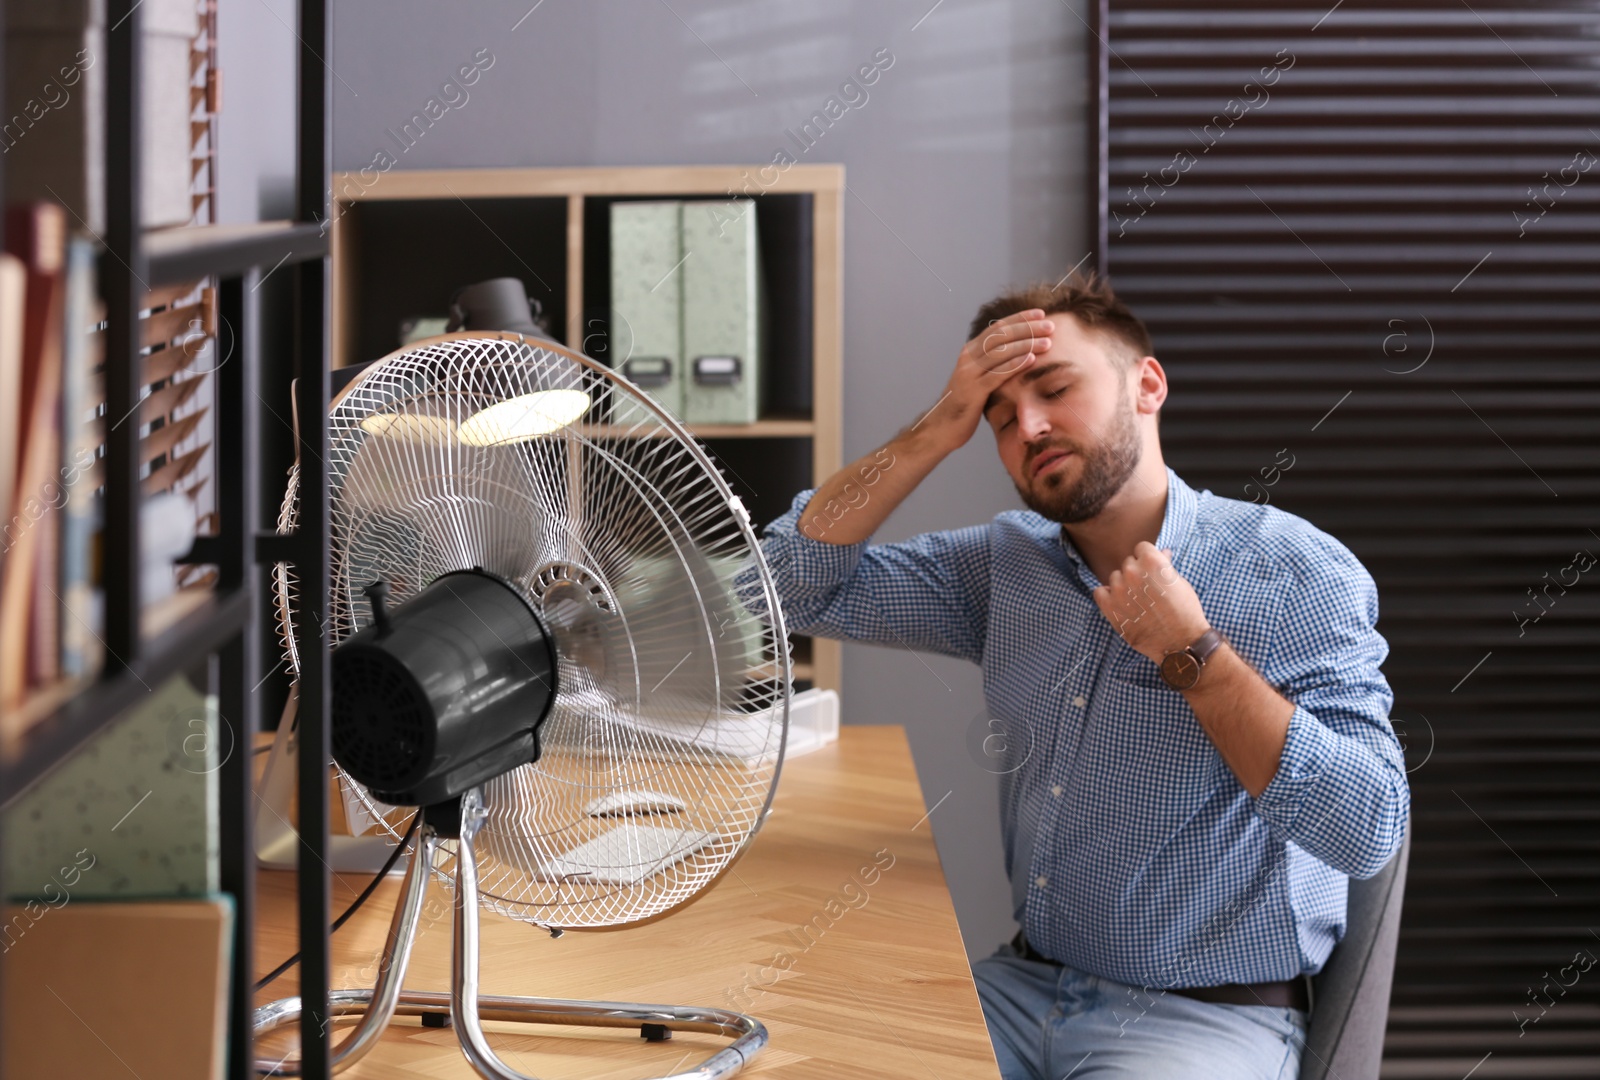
355,905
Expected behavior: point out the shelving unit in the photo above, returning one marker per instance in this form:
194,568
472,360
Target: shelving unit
402,241
143,647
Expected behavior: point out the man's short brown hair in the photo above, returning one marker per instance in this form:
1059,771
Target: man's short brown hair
1086,297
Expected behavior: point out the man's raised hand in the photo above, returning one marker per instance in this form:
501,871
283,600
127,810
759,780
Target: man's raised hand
842,512
1150,604
1008,346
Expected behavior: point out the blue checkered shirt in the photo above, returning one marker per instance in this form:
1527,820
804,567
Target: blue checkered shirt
1133,851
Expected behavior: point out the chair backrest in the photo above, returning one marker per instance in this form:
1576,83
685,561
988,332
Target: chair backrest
1350,996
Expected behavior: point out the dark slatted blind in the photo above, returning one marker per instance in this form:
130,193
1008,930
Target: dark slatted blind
1367,243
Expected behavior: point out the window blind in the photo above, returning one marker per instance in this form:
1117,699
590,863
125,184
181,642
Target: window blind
1366,239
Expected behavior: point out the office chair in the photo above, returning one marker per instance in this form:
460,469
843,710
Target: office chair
1350,996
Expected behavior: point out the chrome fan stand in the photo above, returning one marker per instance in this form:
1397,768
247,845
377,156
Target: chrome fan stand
466,1008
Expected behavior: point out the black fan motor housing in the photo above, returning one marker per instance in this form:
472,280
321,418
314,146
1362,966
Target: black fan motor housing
446,691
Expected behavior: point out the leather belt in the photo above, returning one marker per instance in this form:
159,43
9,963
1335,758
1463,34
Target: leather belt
1288,994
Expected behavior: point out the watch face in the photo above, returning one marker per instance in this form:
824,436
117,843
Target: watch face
1180,670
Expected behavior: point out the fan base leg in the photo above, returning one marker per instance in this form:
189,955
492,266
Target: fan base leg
468,1008
465,1009
434,1010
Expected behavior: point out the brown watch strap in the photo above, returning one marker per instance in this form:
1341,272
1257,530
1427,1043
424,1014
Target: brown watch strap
1206,644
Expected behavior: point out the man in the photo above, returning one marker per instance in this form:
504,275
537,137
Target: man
1187,686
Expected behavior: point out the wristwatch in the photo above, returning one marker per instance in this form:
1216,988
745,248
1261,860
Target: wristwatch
1180,669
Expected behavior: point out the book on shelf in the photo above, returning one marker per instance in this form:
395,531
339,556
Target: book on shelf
646,339
81,437
13,289
722,313
37,234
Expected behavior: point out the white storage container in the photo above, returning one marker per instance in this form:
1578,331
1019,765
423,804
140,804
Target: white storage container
53,133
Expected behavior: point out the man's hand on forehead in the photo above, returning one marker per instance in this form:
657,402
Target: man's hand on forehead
1008,346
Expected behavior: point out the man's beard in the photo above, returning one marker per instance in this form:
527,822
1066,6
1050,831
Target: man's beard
1105,468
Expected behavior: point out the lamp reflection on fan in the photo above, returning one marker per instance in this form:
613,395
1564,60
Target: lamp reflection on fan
525,417
564,635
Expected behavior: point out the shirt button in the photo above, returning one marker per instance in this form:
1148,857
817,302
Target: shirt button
1055,789
1041,881
1079,701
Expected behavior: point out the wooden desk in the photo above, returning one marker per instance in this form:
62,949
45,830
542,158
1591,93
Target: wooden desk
885,990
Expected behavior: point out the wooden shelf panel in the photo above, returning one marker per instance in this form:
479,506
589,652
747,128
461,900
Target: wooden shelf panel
786,428
192,252
797,670
663,180
64,716
154,620
158,618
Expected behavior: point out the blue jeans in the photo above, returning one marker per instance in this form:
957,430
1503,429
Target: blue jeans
1051,1022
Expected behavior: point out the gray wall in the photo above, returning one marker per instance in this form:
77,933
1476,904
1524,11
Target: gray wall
966,172
255,132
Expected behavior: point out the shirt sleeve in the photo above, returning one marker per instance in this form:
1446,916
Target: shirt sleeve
1340,792
930,592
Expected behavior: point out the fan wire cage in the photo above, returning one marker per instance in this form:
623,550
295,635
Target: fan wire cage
661,751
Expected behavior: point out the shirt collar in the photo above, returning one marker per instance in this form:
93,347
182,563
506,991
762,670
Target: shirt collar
1177,523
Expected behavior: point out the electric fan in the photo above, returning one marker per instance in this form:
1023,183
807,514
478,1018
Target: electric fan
555,636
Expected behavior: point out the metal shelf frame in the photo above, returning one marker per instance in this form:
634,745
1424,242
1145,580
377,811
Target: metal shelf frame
229,623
